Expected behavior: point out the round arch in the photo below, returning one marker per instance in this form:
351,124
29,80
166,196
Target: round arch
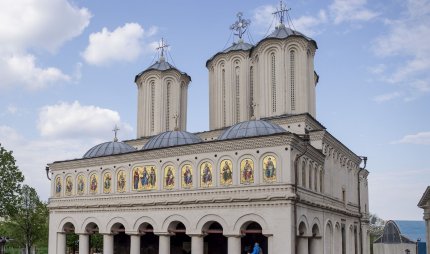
65,221
243,221
173,220
87,222
204,223
114,221
144,220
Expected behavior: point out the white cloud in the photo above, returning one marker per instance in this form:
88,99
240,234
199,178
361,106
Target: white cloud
125,43
406,39
351,10
309,25
73,120
421,138
387,97
263,18
35,24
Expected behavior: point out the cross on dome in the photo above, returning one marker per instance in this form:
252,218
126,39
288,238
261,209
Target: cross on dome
161,48
176,117
240,25
115,130
281,12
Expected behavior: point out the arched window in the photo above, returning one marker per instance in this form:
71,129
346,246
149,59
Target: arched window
293,79
315,179
251,90
152,105
237,81
304,174
310,176
273,80
321,180
223,96
168,105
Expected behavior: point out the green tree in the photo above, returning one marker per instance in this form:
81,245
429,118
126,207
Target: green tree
11,179
29,224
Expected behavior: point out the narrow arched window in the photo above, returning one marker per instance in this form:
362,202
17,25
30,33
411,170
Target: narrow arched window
273,80
310,176
152,105
251,91
315,179
168,105
237,81
321,181
223,97
293,79
304,174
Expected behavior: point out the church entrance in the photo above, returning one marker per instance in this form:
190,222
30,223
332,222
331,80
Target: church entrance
148,241
121,241
95,239
214,241
180,243
253,233
72,239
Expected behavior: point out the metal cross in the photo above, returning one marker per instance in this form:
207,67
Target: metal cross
115,130
281,12
162,46
253,107
176,117
240,25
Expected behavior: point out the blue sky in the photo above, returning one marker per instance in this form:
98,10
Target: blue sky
67,70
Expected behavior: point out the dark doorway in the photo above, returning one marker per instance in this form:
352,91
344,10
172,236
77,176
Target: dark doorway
253,234
148,241
215,242
121,241
180,243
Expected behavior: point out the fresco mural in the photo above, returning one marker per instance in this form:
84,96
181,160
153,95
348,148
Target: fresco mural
58,186
206,174
269,169
169,178
247,171
80,184
121,181
226,172
94,183
69,185
187,176
144,178
107,182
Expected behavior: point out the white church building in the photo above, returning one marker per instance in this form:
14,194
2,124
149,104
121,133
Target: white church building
266,172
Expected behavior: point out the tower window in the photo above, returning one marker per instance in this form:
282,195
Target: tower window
273,81
152,105
251,90
237,79
293,79
223,97
304,174
168,106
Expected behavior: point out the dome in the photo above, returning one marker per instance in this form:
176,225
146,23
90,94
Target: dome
172,138
282,32
161,65
240,46
251,128
108,148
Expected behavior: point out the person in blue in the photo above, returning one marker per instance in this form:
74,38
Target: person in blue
257,249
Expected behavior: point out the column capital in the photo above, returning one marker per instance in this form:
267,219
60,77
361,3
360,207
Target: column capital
233,235
196,235
134,233
163,233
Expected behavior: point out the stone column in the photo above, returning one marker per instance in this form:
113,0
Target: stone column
164,244
234,244
269,243
84,244
197,244
61,243
134,244
107,244
303,247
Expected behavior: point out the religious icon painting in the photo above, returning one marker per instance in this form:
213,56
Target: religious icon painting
226,172
80,181
94,183
69,185
121,181
269,169
187,176
152,181
169,178
247,171
107,182
58,186
137,178
206,174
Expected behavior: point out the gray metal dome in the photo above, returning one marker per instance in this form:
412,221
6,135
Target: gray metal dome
172,138
239,46
251,128
161,65
108,148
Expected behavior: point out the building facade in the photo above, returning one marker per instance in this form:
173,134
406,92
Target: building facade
425,205
266,172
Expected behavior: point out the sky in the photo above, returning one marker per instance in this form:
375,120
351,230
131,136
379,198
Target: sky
67,71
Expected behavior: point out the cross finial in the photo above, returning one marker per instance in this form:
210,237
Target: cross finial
115,130
253,107
161,48
281,12
176,117
240,25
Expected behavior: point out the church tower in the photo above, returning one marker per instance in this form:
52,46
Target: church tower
273,78
162,97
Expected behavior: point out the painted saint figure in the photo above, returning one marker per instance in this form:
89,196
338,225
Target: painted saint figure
121,182
169,179
247,172
152,177
69,185
58,185
107,183
93,184
81,184
226,174
136,179
187,177
206,175
269,169
144,178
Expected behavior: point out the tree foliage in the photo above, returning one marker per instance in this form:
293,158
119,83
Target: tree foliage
11,179
28,226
